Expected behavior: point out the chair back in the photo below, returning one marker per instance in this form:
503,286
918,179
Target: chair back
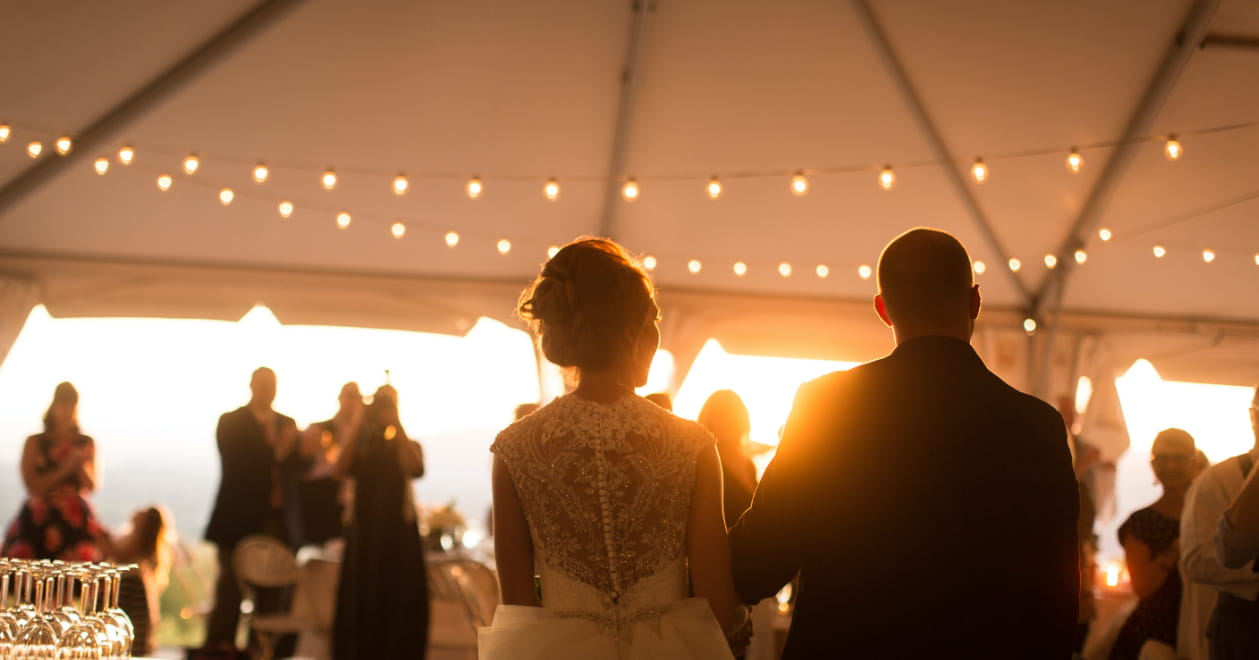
263,561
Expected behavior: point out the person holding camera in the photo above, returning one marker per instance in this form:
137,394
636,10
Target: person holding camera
382,596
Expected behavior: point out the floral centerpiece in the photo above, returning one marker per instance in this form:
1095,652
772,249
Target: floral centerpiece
443,527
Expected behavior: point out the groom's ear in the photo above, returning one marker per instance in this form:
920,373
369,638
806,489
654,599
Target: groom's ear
880,308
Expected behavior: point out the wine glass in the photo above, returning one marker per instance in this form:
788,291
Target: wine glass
8,620
87,639
118,645
114,576
38,639
61,610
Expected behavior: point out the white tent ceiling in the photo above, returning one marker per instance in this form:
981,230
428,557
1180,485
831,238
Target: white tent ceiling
517,92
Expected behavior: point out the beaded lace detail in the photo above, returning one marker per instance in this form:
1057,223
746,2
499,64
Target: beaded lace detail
606,490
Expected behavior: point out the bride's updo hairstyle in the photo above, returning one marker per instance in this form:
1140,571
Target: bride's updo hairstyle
589,304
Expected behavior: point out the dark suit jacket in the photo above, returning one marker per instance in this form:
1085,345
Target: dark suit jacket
929,508
243,504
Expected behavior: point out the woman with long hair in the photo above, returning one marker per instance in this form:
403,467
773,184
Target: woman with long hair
725,414
144,544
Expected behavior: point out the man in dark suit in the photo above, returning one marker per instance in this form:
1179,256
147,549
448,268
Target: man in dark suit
256,446
928,507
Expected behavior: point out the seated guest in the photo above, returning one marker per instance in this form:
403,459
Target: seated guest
144,544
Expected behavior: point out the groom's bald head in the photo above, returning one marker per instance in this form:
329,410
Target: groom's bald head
925,279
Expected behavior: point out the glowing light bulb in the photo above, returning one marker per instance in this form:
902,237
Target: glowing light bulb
63,145
398,229
1172,149
864,271
1029,325
799,184
649,262
126,155
979,171
164,182
740,269
101,165
226,196
475,187
552,251
979,267
1075,162
1081,256
1015,264
551,190
452,238
694,266
887,178
191,164
1051,261
823,271
286,209
34,149
1257,258
714,188
400,184
504,246
344,219
329,179
261,173
1105,234
1208,255
1159,252
630,190
784,269
5,132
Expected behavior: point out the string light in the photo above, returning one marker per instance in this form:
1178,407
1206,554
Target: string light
286,209
343,220
1015,264
714,188
864,271
101,165
261,173
1075,162
398,229
226,196
979,267
1172,149
630,190
694,266
475,187
400,185
823,271
1081,256
979,171
1051,261
887,178
1208,255
5,132
1257,258
452,238
164,182
740,269
552,251
329,179
191,163
1159,251
126,155
1029,325
799,184
551,190
649,262
784,269
504,246
34,149
63,145
1105,234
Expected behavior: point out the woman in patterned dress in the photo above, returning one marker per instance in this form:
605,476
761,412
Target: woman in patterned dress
59,470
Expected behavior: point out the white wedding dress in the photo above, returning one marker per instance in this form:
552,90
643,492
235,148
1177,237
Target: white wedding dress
606,490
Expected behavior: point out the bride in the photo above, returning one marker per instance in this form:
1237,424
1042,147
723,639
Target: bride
613,503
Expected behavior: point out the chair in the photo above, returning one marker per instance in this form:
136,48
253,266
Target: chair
463,595
264,562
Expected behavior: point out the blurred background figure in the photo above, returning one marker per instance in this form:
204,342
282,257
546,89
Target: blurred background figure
59,471
145,544
726,417
320,494
525,409
661,399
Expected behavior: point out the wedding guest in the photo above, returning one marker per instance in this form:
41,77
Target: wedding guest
928,507
59,471
144,544
1151,543
525,409
382,596
725,415
257,446
321,495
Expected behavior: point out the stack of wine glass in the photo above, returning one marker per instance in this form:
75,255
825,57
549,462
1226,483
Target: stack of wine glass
39,620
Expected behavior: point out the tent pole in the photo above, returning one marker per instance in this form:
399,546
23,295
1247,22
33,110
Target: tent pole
925,124
166,83
624,115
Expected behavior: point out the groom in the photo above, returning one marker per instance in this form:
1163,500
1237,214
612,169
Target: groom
928,507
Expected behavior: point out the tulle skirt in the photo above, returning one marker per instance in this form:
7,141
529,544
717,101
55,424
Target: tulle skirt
685,630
